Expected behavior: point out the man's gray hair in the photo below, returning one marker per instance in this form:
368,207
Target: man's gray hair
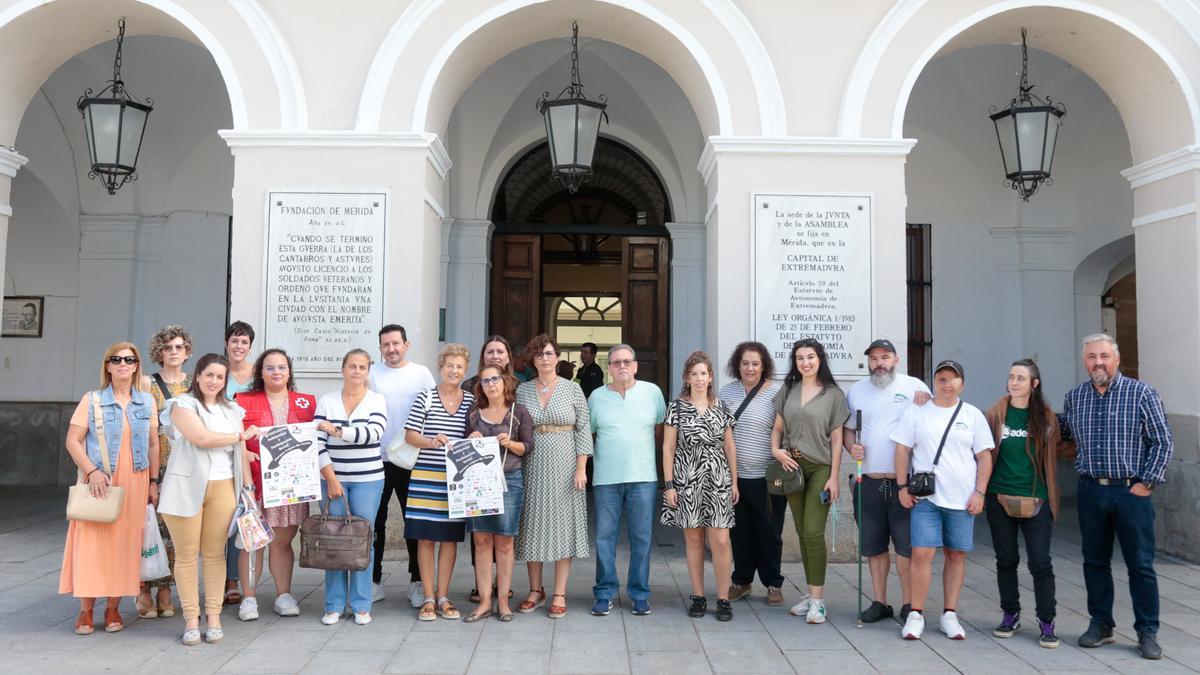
1102,337
616,348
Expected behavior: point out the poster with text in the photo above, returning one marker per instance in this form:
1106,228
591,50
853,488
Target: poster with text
812,267
288,464
474,477
324,275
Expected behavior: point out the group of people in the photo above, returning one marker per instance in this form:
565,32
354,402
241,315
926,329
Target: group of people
928,463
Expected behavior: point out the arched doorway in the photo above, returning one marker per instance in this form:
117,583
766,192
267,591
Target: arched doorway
585,267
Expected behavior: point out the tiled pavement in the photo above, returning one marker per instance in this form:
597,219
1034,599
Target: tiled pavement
36,624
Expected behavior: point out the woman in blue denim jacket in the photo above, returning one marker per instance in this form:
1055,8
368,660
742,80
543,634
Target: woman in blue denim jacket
104,559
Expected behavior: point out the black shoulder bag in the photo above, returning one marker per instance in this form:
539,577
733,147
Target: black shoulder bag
746,401
921,484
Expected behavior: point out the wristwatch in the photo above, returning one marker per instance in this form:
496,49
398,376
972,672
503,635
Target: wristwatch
154,481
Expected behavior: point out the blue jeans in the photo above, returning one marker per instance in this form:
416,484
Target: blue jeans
1103,512
936,526
364,502
638,502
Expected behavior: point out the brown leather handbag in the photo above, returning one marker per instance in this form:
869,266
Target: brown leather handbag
336,542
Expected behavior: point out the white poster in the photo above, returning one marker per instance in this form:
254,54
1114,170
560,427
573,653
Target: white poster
813,260
291,473
325,281
474,477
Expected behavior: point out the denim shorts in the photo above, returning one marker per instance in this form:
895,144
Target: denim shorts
935,526
505,524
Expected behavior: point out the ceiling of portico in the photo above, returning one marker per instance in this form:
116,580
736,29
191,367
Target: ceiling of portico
495,121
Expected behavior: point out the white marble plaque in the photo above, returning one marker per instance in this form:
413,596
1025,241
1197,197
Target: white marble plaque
325,281
812,276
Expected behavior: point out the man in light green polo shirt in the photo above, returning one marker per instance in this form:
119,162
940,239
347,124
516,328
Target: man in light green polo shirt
627,417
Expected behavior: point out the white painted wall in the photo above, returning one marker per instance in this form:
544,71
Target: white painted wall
157,253
1003,270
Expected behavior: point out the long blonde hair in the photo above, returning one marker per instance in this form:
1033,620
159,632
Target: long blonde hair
106,377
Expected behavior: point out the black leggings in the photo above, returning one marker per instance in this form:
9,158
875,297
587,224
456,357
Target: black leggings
394,479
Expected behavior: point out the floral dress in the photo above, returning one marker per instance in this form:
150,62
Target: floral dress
703,482
164,451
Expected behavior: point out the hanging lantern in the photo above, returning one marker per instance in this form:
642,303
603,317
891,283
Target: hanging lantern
114,122
572,126
1027,131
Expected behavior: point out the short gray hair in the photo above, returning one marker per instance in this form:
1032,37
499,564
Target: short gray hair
1102,337
616,348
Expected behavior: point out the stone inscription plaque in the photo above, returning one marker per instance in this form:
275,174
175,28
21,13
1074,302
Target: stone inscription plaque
325,281
812,276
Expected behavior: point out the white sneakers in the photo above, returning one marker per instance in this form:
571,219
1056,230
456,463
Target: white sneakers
286,605
913,626
951,627
362,618
377,593
248,610
416,594
331,618
800,608
816,611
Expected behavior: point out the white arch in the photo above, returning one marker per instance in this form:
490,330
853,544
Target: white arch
858,87
772,113
292,106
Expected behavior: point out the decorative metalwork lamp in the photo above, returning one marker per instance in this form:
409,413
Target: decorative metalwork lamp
572,126
1027,131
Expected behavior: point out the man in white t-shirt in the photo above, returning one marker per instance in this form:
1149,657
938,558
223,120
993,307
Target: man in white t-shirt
400,381
882,398
945,519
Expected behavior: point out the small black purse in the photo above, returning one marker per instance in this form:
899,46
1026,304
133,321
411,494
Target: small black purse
921,483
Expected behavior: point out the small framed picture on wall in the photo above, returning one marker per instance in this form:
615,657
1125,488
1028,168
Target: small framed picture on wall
22,316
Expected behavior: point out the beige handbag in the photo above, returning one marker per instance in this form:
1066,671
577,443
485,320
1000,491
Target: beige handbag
81,505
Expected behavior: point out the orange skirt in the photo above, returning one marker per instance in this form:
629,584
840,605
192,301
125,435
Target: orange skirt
104,560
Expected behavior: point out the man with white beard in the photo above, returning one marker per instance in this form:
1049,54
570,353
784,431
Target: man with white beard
882,398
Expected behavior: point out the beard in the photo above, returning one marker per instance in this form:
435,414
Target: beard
1100,377
882,376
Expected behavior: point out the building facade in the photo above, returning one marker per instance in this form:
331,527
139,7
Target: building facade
716,107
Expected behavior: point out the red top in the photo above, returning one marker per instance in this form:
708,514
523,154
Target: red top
301,408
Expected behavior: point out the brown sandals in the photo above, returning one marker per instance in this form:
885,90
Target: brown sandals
528,605
558,611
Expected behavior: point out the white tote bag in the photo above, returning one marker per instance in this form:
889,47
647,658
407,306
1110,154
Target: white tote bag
399,452
154,553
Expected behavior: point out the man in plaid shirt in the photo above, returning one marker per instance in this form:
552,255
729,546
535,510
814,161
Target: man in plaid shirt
1120,429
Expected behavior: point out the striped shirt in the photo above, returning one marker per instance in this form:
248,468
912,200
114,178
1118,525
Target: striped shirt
427,496
1120,434
355,457
752,433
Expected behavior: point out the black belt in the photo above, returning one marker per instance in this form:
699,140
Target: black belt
1125,482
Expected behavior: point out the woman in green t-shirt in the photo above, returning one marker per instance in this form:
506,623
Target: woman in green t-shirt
1022,496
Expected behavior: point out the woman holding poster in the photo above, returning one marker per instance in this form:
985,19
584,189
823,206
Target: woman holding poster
438,416
273,401
497,413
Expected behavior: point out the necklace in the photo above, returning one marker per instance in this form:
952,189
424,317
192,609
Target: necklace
545,388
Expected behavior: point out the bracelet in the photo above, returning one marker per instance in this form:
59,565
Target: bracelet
89,474
154,481
902,487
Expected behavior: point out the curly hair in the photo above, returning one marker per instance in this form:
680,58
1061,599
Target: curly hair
694,359
538,344
734,367
258,384
453,350
164,335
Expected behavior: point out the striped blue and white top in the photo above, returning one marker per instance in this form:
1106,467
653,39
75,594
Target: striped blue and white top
356,456
427,496
752,434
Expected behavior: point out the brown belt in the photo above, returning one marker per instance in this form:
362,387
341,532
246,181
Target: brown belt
553,428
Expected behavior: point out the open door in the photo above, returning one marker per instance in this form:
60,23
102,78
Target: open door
516,287
645,268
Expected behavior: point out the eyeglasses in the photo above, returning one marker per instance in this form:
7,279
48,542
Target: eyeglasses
548,355
622,363
275,369
495,379
117,360
174,348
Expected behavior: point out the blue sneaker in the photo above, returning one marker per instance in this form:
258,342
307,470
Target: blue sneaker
641,607
602,607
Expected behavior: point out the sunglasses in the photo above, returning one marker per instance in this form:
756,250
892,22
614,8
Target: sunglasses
495,379
117,360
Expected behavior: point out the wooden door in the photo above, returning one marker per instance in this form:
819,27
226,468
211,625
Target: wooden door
645,317
516,287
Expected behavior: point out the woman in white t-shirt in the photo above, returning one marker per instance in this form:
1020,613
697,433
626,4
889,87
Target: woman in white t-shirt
200,487
945,519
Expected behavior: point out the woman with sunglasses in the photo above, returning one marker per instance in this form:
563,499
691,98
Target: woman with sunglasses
104,560
170,348
497,413
204,477
554,517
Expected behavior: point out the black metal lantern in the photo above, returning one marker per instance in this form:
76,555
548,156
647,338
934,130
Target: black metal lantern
572,126
1028,131
114,121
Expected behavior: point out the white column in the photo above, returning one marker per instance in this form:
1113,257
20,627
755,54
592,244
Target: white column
10,162
688,295
467,283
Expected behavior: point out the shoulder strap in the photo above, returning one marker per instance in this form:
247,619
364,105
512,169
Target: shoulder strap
947,432
749,397
162,386
101,440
